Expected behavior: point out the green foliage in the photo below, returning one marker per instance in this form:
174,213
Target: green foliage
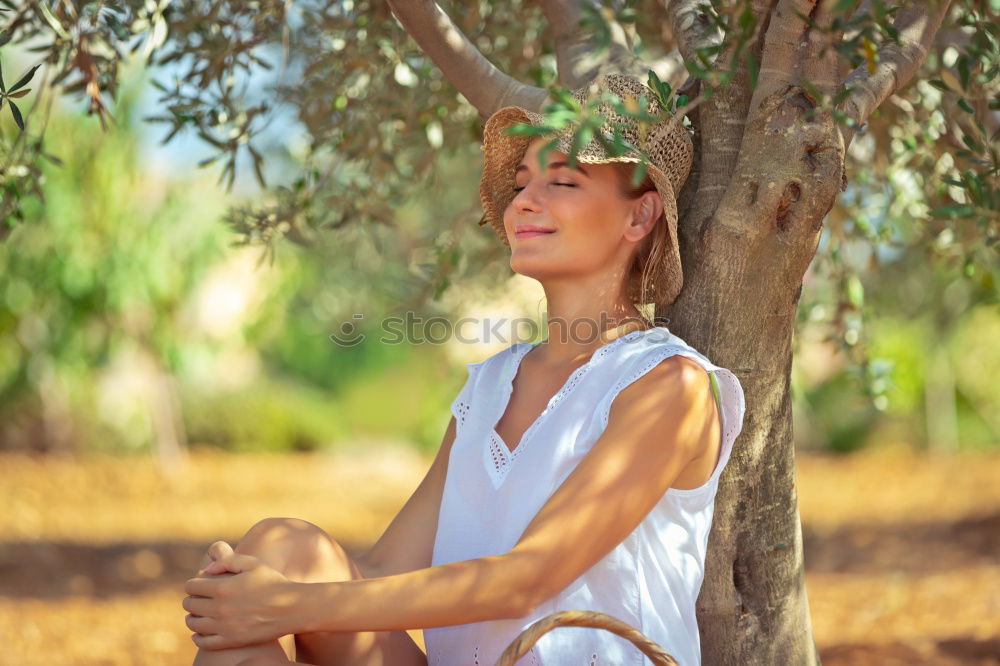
269,415
407,400
100,264
970,362
94,282
921,211
411,397
326,61
840,415
9,95
921,367
103,284
368,135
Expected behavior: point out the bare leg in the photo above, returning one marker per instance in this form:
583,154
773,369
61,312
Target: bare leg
304,552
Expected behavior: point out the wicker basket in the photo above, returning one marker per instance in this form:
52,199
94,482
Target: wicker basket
523,642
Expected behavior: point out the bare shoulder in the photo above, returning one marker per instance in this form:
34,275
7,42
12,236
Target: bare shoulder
672,400
676,376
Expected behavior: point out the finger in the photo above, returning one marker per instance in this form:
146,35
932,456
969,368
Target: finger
220,549
238,562
200,625
212,553
212,568
202,587
199,606
212,642
206,559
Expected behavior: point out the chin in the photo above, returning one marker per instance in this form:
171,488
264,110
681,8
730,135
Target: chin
538,267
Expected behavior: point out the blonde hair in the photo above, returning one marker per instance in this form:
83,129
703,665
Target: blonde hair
646,282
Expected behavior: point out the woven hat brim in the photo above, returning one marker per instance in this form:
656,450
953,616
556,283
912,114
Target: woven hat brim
502,153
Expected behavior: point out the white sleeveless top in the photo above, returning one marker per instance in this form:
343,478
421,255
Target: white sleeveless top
650,580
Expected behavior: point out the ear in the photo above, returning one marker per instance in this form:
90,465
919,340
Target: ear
646,210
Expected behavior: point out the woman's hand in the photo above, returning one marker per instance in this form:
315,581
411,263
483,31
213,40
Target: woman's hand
216,552
241,601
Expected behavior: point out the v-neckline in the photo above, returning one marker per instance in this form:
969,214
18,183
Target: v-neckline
571,382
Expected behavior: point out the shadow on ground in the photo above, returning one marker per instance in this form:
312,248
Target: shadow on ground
950,652
108,570
903,548
101,571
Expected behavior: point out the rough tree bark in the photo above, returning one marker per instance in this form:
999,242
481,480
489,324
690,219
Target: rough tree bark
767,170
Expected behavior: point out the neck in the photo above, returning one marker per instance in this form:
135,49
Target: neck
582,317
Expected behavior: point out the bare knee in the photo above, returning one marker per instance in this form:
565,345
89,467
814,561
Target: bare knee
265,661
299,549
285,534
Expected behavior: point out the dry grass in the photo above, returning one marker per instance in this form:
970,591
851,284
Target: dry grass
903,557
901,551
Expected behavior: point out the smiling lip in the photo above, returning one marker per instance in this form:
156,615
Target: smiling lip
529,230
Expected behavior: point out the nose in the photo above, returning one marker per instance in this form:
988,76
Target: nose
526,200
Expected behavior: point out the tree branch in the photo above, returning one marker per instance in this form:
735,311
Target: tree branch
781,58
863,9
575,47
722,120
821,64
691,27
917,23
485,86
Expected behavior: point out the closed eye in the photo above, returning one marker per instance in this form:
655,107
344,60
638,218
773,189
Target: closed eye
518,189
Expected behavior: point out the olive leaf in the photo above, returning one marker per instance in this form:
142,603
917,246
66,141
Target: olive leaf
13,93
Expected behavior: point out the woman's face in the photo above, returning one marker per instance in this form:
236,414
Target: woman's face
587,225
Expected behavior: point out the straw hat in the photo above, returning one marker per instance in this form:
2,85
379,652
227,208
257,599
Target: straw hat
667,144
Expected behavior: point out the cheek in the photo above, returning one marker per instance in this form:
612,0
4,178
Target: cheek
589,221
509,216
510,219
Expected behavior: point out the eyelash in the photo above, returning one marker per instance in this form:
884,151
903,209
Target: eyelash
518,189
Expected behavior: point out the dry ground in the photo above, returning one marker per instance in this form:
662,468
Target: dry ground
902,551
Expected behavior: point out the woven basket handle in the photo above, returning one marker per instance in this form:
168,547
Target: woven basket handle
575,618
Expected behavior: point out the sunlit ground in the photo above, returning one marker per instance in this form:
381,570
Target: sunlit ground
902,552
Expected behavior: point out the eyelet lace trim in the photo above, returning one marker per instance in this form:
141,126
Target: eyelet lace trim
531,653
500,457
730,410
461,407
461,411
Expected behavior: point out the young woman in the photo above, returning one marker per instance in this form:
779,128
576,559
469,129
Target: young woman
578,473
